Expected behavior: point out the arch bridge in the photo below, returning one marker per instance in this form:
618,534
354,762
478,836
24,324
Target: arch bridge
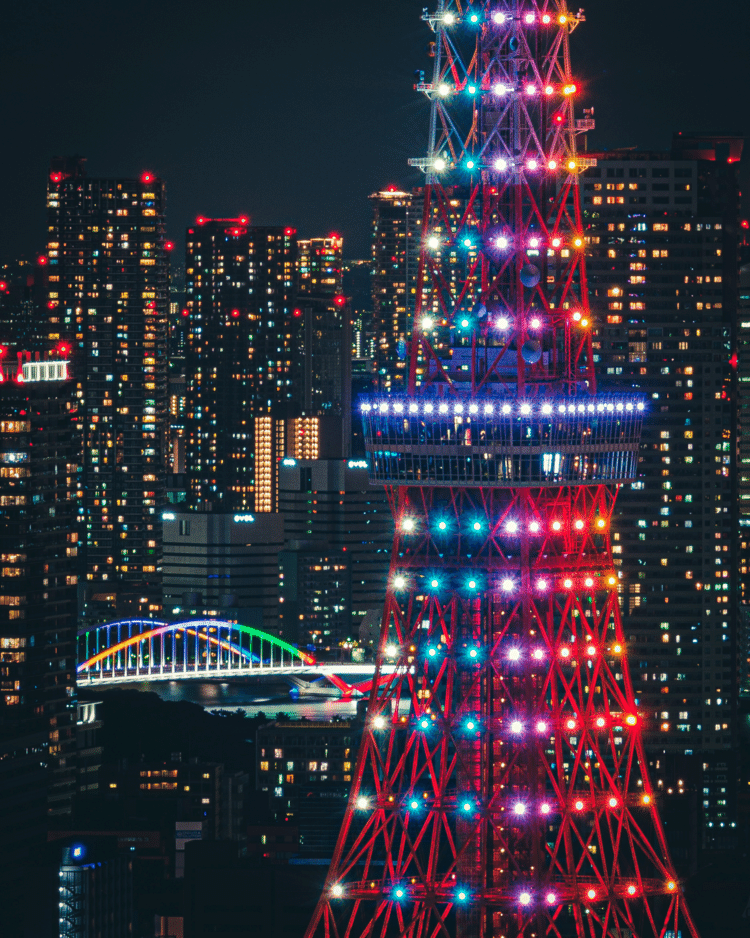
150,650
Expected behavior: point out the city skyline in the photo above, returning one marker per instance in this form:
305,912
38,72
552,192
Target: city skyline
221,149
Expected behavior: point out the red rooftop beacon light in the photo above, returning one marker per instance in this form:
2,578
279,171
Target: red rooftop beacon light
339,300
169,245
42,260
147,177
501,789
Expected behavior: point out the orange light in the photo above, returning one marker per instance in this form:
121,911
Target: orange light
671,886
617,649
591,894
579,806
556,525
572,165
631,890
646,799
601,523
562,19
568,584
578,242
631,719
565,653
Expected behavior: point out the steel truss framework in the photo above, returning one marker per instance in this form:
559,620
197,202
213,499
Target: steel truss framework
501,789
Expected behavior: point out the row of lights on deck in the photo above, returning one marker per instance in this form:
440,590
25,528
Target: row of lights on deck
523,409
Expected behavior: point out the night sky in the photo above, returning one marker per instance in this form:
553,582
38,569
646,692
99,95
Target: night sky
294,112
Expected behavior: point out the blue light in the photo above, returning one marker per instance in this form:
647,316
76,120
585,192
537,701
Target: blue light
470,164
399,892
434,583
467,807
77,851
414,805
468,243
472,724
477,526
472,89
424,723
462,895
474,654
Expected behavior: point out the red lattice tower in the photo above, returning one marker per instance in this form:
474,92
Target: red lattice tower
501,788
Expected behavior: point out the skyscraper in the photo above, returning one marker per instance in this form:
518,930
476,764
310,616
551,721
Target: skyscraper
397,219
108,294
38,575
242,349
664,236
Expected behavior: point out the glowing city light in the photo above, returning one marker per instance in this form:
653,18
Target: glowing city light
525,898
337,890
511,527
363,802
507,585
514,654
516,726
399,582
519,809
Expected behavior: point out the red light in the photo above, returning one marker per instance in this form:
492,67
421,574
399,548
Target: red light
745,224
186,312
3,286
290,231
55,177
42,260
51,304
147,177
244,219
559,119
339,300
297,313
235,231
169,245
235,313
2,350
200,220
63,349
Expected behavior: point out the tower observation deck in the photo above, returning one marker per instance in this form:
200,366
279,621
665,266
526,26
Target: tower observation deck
501,789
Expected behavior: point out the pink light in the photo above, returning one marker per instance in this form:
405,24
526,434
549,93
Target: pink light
545,808
556,525
147,177
546,19
519,809
578,806
591,894
516,726
169,245
600,722
534,527
568,584
548,89
591,651
541,726
525,898
200,220
541,585
532,164
534,243
235,313
631,890
579,525
551,898
565,653
244,219
556,242
536,323
538,654
571,724
514,654
530,89
529,18
55,177
589,582
42,260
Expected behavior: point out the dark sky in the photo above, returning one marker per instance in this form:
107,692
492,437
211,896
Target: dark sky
294,112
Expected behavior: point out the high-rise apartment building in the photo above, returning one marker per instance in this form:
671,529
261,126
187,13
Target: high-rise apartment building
241,356
107,279
397,220
663,232
38,573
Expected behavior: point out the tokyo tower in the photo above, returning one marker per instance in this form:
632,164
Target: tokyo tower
501,789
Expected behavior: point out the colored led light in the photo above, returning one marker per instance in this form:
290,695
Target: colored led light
556,526
529,18
439,164
449,19
646,799
600,722
399,892
424,723
514,654
565,653
631,890
671,886
427,323
363,802
546,19
568,584
588,582
473,653
532,164
617,649
591,894
571,724
534,527
530,89
470,725
541,726
511,527
477,526
613,802
472,584
551,898
442,525
516,726
578,525
499,18
500,89
399,582
433,242
525,898
631,719
545,808
535,323
461,896
470,164
507,585
538,654
591,650
556,242
337,891
578,806
407,524
378,722
467,806
519,809
432,652
501,243
548,90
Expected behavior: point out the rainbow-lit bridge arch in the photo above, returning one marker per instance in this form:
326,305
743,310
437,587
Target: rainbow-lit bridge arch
146,649
149,650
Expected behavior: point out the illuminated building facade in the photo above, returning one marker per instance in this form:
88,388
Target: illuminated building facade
502,786
315,594
397,220
664,233
107,277
241,354
38,608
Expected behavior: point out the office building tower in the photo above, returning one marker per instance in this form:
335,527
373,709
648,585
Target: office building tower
241,352
319,267
663,232
397,220
38,545
22,302
219,565
315,595
107,277
330,508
